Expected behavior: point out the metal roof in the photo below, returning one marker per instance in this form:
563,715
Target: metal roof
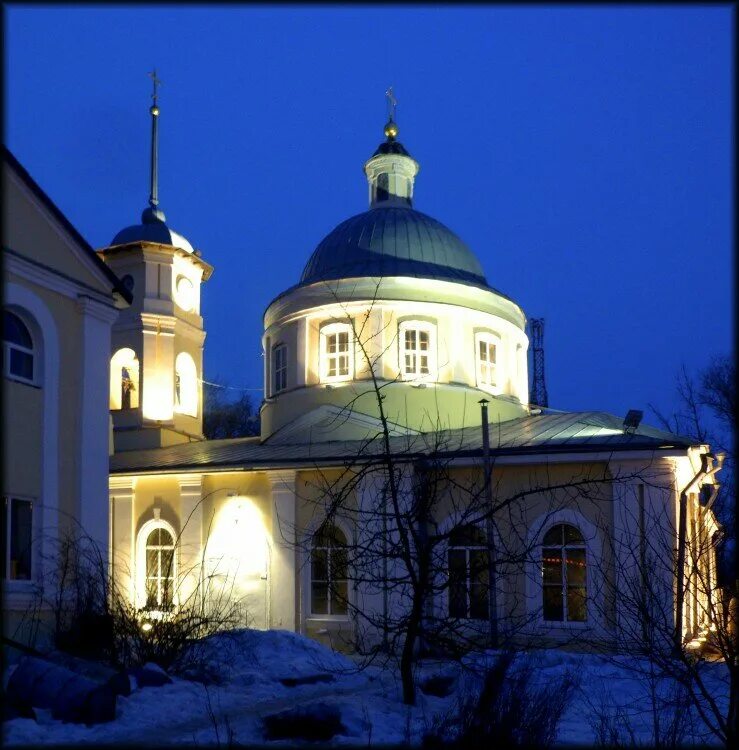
152,231
393,241
568,432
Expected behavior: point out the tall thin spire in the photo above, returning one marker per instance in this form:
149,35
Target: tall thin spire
153,212
391,129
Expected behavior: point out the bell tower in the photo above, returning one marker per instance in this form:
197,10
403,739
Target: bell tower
156,366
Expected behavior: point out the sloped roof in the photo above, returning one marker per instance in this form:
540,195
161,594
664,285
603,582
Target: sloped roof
116,284
546,433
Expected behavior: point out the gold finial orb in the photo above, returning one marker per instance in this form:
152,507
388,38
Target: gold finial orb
391,130
154,110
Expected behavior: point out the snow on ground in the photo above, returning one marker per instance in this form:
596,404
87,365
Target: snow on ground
248,667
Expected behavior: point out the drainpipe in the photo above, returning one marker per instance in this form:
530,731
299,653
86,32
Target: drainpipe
490,528
703,472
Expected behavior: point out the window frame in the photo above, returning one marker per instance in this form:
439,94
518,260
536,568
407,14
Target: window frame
419,326
563,584
142,571
10,346
324,356
279,373
8,540
468,581
328,615
489,338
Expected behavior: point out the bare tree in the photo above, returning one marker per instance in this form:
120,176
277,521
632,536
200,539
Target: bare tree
670,613
225,417
436,532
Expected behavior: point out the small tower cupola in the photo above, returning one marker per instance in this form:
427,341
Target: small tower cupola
391,170
156,365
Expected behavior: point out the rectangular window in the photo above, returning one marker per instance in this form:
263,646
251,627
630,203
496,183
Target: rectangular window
336,352
487,354
279,368
17,540
417,350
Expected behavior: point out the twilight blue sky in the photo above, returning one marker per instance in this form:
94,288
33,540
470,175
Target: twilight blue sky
583,153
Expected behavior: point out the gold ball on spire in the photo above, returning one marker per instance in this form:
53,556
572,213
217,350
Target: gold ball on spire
391,130
154,110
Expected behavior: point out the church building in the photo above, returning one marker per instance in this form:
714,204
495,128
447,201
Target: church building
376,362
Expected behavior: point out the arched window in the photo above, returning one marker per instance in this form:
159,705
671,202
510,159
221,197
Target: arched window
417,340
124,380
468,573
160,568
279,368
564,575
17,349
328,572
337,352
186,385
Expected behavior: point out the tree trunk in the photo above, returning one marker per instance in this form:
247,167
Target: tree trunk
406,657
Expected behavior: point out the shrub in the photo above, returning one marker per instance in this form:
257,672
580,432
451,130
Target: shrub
508,708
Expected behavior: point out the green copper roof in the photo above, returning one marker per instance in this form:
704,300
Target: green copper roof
393,241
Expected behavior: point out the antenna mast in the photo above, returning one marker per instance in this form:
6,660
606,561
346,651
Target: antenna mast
538,395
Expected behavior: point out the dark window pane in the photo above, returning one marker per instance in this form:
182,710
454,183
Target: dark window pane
479,566
20,539
21,364
553,603
167,592
153,539
552,565
458,563
575,566
576,604
319,565
166,537
572,535
338,563
554,535
338,598
479,602
152,562
457,599
4,540
469,535
15,330
167,563
319,598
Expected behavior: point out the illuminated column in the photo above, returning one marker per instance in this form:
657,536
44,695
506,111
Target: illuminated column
191,536
282,570
157,379
122,491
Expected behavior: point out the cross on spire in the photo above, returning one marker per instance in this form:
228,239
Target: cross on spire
156,82
391,103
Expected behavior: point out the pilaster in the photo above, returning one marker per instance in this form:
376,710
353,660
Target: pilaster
191,535
122,494
283,585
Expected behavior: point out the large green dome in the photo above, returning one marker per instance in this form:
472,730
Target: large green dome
393,241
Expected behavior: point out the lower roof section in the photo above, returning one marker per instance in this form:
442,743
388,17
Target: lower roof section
569,432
